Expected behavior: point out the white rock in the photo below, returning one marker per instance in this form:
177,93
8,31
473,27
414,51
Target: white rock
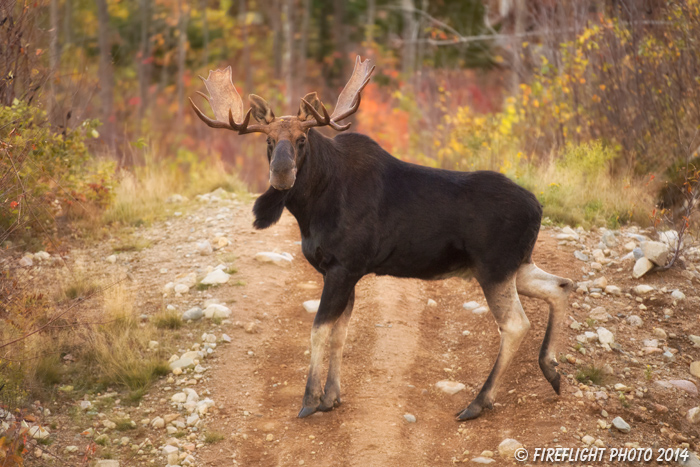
179,397
38,432
695,369
693,415
588,439
669,237
432,303
629,246
508,447
283,259
481,310
193,419
450,387
111,259
176,198
42,256
635,321
225,338
85,405
153,345
168,449
469,306
621,425
410,418
656,252
613,290
26,262
158,422
482,460
107,463
193,314
311,306
643,289
181,288
641,267
217,311
677,295
216,277
605,336
204,248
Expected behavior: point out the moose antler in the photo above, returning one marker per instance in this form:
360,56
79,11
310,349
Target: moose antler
348,101
226,104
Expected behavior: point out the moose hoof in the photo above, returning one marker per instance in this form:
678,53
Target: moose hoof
327,406
306,411
473,411
556,383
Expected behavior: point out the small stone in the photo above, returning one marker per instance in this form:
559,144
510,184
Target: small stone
153,345
629,246
641,267
660,333
410,418
599,314
158,422
311,306
656,252
193,314
621,425
217,311
508,447
596,266
481,310
677,295
111,259
432,303
605,336
635,321
217,276
204,248
38,432
109,425
469,306
643,289
613,290
695,340
269,437
693,415
85,405
226,338
695,369
588,439
283,259
580,255
450,387
600,283
685,385
482,460
251,328
107,463
181,289
179,397
26,262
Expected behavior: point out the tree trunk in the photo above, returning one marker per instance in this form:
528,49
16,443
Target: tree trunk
145,58
289,50
243,18
341,38
371,15
183,13
106,74
277,39
303,43
409,30
53,63
67,19
205,32
516,43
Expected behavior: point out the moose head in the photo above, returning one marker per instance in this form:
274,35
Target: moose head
286,136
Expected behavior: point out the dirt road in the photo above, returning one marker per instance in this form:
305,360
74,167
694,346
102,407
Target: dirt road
398,348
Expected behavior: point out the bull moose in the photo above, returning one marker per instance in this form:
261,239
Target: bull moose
362,211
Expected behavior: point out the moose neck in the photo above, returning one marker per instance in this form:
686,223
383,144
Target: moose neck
314,184
315,179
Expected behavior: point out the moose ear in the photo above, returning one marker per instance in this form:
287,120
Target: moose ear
261,109
311,98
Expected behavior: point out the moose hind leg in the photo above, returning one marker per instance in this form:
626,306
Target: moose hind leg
513,325
331,393
533,282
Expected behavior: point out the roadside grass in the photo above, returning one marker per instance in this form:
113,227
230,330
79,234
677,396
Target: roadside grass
167,320
213,437
590,374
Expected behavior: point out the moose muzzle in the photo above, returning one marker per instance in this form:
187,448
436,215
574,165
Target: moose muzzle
283,169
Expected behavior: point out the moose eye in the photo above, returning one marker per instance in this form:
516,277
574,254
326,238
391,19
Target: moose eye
269,141
301,141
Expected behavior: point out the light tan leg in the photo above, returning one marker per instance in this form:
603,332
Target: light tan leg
513,326
331,393
533,282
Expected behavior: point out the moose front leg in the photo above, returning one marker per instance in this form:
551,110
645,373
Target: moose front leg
337,291
331,393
